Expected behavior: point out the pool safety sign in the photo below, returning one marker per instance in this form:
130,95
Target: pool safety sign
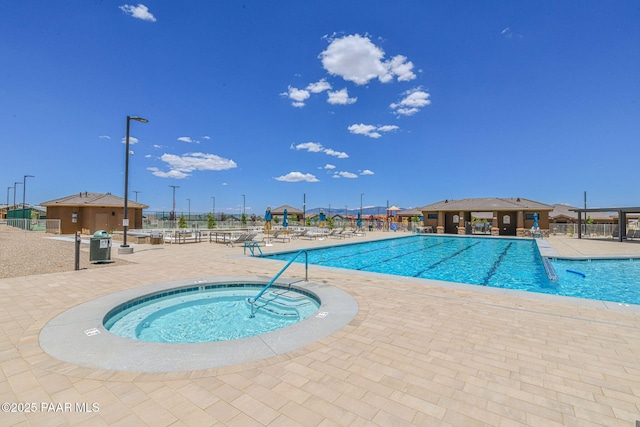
92,332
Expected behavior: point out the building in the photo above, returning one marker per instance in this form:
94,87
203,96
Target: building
566,214
508,216
88,212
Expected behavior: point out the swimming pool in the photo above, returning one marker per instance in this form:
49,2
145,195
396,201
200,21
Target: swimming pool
209,313
493,262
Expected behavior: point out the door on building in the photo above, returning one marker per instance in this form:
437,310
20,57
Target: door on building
102,221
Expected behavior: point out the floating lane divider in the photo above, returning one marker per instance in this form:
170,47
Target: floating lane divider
576,272
548,267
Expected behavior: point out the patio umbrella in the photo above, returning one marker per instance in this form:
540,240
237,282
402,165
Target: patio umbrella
321,219
359,220
285,223
267,224
535,221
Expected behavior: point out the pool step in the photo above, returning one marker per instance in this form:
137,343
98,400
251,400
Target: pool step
282,302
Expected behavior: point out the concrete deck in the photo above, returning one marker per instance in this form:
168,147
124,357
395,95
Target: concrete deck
418,352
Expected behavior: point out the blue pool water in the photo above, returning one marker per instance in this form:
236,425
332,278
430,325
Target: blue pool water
500,263
218,314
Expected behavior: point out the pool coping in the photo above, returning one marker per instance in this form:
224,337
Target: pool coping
78,335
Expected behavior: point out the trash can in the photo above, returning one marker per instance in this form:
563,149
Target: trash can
100,247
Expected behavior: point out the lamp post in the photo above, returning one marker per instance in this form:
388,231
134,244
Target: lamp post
124,248
361,217
24,191
14,193
244,199
173,209
8,189
213,211
137,194
188,210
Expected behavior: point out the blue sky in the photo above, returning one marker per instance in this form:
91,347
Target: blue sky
406,102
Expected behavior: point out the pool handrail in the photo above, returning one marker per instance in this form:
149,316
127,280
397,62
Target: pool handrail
252,301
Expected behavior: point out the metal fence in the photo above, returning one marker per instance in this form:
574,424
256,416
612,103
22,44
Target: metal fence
30,224
588,230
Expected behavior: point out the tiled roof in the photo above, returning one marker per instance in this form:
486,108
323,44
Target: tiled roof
93,199
560,210
290,210
486,204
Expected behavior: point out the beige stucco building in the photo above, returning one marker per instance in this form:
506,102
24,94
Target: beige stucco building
88,212
508,216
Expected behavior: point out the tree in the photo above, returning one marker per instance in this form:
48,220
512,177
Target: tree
211,221
243,219
330,223
182,222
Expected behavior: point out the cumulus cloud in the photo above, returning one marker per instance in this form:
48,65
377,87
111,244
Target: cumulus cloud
297,177
366,172
329,166
104,137
349,175
188,139
340,97
140,12
206,137
370,130
413,101
297,96
132,140
319,86
355,58
314,147
181,166
157,147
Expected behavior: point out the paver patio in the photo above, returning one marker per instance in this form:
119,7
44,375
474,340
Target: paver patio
417,353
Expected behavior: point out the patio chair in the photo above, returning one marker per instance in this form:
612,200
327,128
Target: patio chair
244,237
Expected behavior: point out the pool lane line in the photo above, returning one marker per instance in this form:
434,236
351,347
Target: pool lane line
495,265
432,266
411,242
404,254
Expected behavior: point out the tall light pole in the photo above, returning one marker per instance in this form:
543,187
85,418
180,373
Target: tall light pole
213,211
124,248
14,193
134,191
24,191
244,199
189,210
361,218
173,209
8,190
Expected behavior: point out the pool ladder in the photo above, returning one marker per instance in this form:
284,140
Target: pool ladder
253,300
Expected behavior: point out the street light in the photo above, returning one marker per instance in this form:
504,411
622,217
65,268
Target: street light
189,210
124,248
173,210
137,194
243,203
14,193
213,212
8,189
24,191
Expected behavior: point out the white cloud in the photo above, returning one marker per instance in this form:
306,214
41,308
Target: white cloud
413,101
206,137
340,97
345,175
297,177
298,96
319,86
147,156
132,140
355,58
370,130
182,166
188,139
314,147
366,172
140,12
104,137
329,166
157,147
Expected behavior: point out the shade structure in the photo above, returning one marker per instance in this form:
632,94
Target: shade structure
285,222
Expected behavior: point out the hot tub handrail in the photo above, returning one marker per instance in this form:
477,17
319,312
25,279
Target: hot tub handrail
306,277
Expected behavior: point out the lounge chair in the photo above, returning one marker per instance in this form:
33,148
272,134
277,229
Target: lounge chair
299,234
336,233
278,235
244,237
